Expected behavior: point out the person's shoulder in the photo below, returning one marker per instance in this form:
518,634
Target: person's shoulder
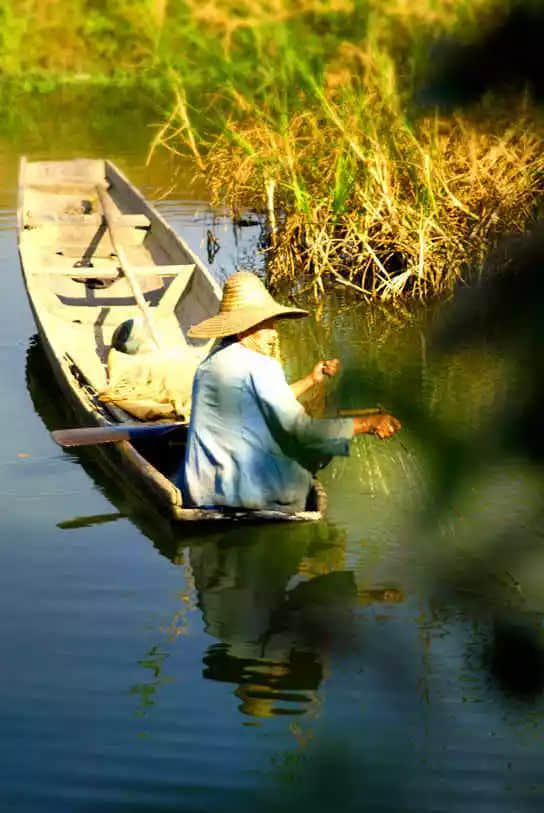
265,372
258,361
218,352
236,357
227,358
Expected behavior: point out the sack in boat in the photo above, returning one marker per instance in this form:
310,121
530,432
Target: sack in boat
151,385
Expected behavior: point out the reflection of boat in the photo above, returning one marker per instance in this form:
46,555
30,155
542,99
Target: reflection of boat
95,254
55,411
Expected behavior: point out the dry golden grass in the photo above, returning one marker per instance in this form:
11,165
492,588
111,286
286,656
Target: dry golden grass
227,18
355,192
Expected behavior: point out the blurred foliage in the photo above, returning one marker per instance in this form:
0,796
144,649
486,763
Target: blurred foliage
87,36
72,120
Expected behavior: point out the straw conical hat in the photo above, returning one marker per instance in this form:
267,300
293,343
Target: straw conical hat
245,303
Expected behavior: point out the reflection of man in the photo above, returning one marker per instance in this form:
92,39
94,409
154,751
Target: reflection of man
251,444
262,646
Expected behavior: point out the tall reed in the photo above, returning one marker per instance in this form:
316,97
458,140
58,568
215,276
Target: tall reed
304,110
306,115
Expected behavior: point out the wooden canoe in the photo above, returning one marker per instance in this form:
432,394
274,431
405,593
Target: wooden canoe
72,264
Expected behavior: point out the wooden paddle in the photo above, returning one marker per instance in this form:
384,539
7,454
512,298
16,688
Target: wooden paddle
86,522
360,413
109,217
90,435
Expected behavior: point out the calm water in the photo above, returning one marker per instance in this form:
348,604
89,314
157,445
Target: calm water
357,664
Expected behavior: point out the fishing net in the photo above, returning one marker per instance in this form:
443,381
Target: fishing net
151,385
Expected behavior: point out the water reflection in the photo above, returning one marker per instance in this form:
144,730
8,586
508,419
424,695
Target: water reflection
146,690
251,595
280,605
276,603
295,620
255,600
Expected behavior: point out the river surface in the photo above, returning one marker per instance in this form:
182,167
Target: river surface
368,662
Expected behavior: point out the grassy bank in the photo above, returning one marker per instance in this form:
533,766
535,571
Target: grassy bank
306,112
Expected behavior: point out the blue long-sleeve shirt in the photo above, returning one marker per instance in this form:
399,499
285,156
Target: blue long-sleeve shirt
250,443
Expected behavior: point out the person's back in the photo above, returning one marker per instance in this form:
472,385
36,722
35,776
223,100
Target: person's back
250,442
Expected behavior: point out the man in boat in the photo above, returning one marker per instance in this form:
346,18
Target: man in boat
251,444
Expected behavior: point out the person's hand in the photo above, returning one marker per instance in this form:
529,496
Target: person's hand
386,425
316,376
382,425
329,368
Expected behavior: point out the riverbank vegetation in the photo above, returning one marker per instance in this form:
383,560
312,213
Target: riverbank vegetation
51,40
310,113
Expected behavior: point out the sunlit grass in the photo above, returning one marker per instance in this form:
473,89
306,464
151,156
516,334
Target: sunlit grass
306,115
306,111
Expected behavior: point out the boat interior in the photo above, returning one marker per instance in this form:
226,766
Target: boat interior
74,274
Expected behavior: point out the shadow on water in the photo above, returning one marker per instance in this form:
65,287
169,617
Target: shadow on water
52,407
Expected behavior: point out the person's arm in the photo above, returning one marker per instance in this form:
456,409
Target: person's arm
294,430
329,368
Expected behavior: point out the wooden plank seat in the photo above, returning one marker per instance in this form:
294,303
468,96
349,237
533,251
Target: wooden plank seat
136,221
114,313
68,186
113,273
56,237
76,251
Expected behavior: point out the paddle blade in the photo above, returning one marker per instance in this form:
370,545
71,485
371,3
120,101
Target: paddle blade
88,436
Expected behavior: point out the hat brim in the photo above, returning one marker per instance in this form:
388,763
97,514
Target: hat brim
229,323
